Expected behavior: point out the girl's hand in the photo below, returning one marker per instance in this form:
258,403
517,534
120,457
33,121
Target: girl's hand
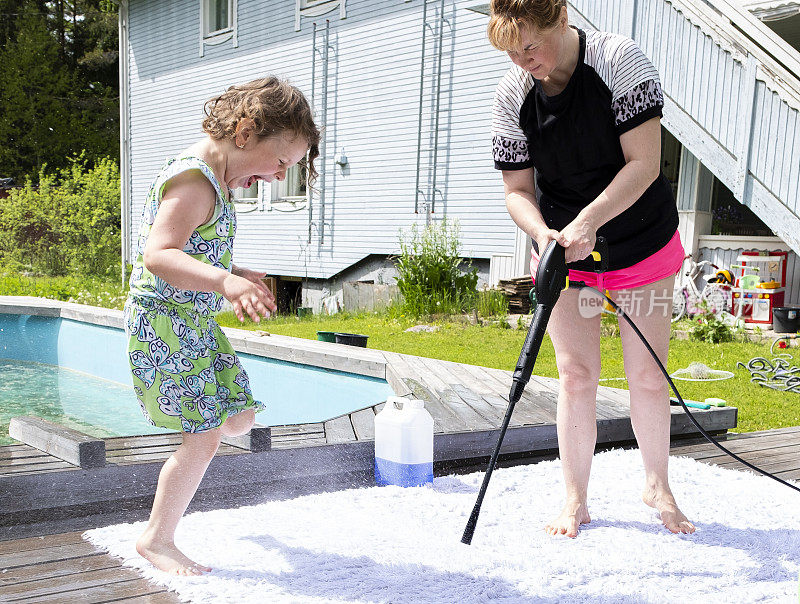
579,239
247,293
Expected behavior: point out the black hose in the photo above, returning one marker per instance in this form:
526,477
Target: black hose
710,438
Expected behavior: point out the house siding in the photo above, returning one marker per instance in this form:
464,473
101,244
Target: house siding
373,101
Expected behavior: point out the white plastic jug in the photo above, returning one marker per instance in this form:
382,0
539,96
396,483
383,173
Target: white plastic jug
403,443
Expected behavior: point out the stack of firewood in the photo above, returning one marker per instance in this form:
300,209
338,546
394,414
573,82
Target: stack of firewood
517,291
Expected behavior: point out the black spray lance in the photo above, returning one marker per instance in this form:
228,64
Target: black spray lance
552,276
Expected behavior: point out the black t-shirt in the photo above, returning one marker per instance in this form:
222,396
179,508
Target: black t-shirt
572,142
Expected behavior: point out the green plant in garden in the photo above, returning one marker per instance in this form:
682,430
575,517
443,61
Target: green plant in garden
491,303
431,279
96,291
69,222
711,330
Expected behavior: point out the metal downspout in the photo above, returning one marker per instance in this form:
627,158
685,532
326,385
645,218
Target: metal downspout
421,96
124,140
309,192
437,107
324,124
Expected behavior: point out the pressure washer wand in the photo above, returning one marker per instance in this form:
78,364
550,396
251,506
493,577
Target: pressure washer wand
551,277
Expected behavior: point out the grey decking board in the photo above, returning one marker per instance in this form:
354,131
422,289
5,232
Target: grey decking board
496,394
449,375
364,423
538,401
339,430
429,371
395,381
278,431
444,419
35,556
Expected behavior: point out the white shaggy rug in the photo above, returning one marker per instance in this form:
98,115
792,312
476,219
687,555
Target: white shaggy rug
388,544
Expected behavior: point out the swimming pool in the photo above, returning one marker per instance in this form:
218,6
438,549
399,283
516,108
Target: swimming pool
76,373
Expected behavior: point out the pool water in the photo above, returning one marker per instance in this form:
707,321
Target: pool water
94,406
77,374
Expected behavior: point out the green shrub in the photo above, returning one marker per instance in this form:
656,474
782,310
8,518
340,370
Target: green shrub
69,222
710,329
431,280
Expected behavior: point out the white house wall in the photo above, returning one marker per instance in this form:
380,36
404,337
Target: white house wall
372,114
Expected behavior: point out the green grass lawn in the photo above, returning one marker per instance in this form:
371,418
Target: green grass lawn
760,408
491,346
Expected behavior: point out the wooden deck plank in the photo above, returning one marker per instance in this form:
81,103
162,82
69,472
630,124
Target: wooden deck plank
31,461
740,443
155,597
44,542
107,592
538,401
72,582
23,453
299,443
496,394
339,430
56,552
466,414
48,465
278,431
145,440
57,568
395,381
462,383
444,420
364,423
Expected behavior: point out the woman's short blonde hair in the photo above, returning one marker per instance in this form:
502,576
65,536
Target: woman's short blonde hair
507,17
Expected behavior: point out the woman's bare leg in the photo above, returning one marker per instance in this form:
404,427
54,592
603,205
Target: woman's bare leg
650,307
575,333
177,484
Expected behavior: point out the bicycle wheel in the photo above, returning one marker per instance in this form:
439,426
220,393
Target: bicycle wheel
715,298
678,304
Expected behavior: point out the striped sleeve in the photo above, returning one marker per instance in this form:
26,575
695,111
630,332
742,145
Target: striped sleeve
633,80
509,143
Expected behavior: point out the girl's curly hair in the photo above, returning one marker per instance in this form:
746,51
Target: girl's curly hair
274,105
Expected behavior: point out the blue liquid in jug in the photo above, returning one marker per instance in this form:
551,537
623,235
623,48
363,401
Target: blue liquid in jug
402,474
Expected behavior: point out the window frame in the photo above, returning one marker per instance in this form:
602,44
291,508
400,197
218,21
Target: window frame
213,38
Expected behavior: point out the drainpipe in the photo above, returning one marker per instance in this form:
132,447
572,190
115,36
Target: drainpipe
124,138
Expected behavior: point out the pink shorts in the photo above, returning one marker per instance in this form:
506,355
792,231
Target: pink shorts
664,263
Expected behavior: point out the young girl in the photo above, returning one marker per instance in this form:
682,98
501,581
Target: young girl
186,375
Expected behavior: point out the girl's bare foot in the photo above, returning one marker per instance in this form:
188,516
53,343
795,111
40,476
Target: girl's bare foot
671,516
568,522
167,557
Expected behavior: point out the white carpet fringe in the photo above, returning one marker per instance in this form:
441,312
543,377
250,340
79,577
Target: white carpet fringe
403,545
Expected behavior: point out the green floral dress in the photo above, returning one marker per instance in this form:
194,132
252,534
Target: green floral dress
186,375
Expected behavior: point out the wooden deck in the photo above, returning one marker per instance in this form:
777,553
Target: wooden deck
64,568
467,403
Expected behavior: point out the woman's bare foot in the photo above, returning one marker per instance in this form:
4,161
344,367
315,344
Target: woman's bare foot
568,522
167,557
671,516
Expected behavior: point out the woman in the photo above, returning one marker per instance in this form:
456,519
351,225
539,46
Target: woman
576,133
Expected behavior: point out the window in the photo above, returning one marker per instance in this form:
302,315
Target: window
218,22
247,200
218,16
293,187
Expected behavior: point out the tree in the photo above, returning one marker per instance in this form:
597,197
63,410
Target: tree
58,84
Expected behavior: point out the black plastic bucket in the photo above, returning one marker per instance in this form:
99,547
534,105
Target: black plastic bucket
352,339
786,319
